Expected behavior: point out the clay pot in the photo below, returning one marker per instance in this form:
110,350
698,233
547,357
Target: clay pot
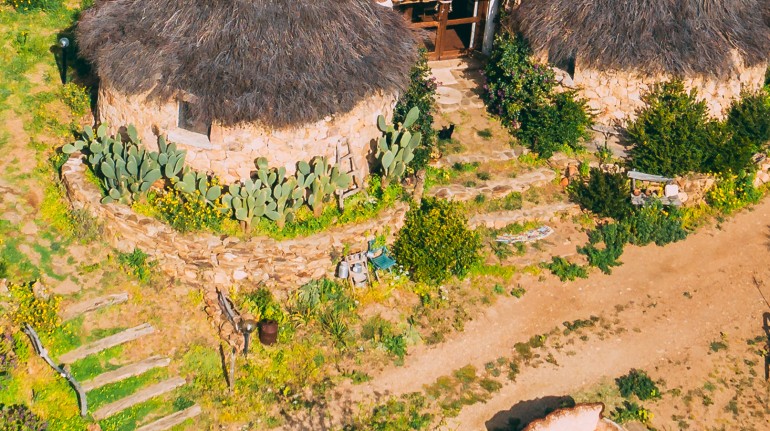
268,332
637,192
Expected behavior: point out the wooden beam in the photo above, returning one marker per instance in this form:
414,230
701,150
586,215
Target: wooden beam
94,304
171,420
125,372
107,342
138,397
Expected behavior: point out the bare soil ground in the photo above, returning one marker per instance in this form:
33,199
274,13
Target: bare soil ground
670,303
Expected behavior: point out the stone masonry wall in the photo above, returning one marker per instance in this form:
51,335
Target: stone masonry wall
616,95
231,151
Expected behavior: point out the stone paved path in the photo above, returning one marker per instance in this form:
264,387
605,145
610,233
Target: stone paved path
459,85
496,188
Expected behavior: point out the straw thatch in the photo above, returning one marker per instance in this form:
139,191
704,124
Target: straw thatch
275,62
680,37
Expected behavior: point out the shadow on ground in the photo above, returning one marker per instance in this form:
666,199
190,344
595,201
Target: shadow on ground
524,412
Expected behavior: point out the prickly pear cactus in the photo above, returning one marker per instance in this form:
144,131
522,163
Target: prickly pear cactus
395,148
200,184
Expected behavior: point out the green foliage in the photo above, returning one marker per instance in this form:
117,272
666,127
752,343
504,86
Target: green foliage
76,97
565,270
435,242
638,383
521,92
733,192
631,412
31,5
397,145
8,358
604,194
188,212
36,311
655,223
19,417
138,263
262,305
749,118
421,94
671,132
404,414
614,236
562,122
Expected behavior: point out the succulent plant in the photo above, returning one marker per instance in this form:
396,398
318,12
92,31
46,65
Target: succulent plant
126,171
326,180
169,158
395,148
247,200
192,182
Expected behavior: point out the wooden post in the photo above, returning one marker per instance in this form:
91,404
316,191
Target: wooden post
43,353
443,17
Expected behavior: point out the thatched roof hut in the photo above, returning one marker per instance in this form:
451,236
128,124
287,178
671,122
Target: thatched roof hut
277,62
285,79
681,37
617,49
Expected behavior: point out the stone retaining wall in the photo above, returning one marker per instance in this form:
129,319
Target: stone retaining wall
224,260
616,95
229,152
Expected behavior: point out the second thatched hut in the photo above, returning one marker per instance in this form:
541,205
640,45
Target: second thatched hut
615,50
230,81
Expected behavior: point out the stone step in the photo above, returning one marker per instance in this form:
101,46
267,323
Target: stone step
107,342
171,420
140,396
543,213
94,304
125,372
495,188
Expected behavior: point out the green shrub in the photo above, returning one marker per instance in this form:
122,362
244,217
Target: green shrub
605,194
614,236
188,212
19,417
435,242
38,312
631,412
656,223
76,98
262,305
421,94
638,383
749,117
671,132
521,92
30,5
733,192
138,263
405,414
562,122
565,270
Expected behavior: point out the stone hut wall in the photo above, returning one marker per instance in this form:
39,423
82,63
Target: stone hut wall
230,151
616,95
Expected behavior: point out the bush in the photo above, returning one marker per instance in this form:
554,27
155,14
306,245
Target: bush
671,132
19,417
749,117
638,383
188,212
137,263
30,5
420,94
733,192
40,313
605,194
559,123
565,270
435,242
654,223
76,98
262,305
631,412
8,359
521,92
614,236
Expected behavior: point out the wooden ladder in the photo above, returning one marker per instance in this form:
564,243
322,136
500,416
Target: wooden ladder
347,164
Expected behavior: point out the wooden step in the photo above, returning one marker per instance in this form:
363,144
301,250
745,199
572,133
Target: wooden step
94,304
107,342
140,396
125,372
171,420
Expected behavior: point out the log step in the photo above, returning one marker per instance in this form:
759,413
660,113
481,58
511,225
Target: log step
140,396
107,342
94,304
171,420
125,372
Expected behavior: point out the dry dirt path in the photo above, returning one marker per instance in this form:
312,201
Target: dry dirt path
715,266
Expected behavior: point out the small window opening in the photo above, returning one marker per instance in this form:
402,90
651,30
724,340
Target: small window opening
188,120
566,64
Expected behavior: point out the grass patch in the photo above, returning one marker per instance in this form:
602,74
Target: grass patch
91,366
113,392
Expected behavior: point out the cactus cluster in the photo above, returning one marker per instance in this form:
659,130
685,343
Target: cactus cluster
169,158
396,146
273,194
199,183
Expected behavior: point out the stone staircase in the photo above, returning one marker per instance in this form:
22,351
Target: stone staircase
135,369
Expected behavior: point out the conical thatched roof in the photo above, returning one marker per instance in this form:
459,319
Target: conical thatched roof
276,62
676,36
